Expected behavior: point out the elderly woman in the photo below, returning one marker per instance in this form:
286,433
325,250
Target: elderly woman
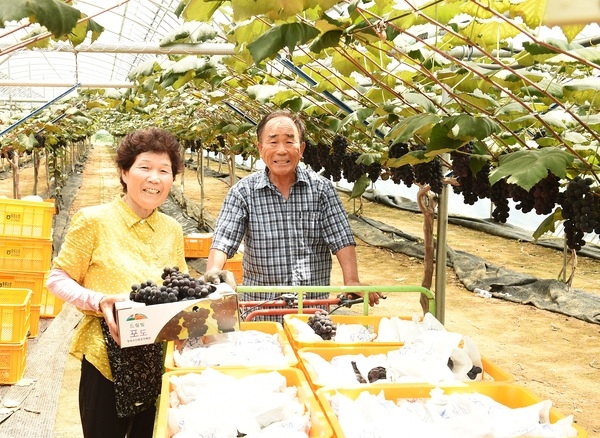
108,248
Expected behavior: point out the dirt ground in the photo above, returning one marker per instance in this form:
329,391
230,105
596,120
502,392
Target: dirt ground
555,356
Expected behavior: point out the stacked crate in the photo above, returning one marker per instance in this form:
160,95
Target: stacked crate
26,250
197,245
15,323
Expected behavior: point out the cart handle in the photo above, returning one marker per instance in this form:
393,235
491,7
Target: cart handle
365,290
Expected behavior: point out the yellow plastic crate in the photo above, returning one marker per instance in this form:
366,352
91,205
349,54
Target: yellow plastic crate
15,309
34,321
197,245
491,372
371,322
508,394
12,362
24,280
270,327
26,218
22,254
50,304
294,377
234,264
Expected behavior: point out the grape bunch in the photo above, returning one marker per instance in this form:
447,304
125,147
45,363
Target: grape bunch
177,286
473,372
194,321
322,324
377,373
403,174
499,197
430,173
350,169
310,156
541,197
581,211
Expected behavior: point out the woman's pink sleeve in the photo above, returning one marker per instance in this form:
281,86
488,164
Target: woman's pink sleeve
67,289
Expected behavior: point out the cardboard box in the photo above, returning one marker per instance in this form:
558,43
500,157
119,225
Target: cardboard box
140,324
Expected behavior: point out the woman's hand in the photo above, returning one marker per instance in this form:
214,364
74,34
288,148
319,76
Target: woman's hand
107,307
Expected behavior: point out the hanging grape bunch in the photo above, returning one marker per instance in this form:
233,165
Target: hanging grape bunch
330,157
430,173
499,197
403,174
310,156
350,169
461,171
177,286
541,197
471,186
322,325
581,211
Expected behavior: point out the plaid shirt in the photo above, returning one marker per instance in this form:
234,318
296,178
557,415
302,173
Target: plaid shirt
286,242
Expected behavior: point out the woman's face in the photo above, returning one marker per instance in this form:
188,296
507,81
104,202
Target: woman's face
149,182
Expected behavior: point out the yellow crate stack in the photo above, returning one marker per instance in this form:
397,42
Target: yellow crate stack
26,250
15,323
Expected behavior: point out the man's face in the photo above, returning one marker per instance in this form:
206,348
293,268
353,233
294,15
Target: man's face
280,146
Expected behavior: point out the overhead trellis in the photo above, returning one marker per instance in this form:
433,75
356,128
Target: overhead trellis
479,95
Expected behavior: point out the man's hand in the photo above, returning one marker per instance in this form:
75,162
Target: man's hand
373,297
107,307
217,276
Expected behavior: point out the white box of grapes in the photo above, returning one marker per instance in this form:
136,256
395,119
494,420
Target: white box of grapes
141,324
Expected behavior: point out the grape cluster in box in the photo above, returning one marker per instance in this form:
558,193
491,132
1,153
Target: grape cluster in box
180,308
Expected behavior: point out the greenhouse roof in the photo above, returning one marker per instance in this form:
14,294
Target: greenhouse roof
132,34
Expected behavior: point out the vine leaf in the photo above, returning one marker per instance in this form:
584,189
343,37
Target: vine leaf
189,32
526,168
532,11
360,186
466,127
275,39
548,224
199,10
454,131
328,39
59,18
406,129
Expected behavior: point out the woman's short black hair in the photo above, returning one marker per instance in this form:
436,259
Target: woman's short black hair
155,140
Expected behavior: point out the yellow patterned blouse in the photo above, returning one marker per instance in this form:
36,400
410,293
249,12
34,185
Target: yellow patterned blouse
107,249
